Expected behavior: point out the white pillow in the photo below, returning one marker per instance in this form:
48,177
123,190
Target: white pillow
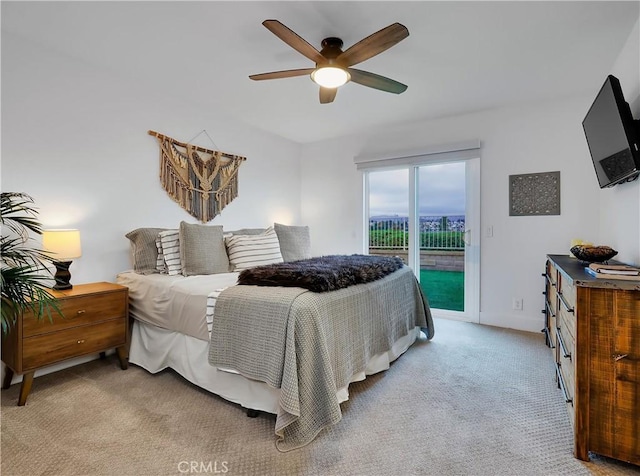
160,266
248,251
170,240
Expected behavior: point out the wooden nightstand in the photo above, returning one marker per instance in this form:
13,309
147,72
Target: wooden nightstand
95,320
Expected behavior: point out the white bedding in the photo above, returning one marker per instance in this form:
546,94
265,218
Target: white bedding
155,349
176,303
171,331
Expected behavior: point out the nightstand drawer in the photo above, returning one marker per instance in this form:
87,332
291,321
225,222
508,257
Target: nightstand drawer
78,311
48,348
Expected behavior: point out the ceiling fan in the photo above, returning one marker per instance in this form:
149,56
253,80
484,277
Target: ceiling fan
333,66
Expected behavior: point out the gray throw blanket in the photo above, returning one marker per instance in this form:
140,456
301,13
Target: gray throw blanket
311,344
324,273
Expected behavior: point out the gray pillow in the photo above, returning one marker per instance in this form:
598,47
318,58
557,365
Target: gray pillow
295,242
202,249
247,231
144,250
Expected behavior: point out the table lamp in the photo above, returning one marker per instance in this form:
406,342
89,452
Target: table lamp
62,246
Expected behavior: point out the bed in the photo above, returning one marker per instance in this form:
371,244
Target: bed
284,350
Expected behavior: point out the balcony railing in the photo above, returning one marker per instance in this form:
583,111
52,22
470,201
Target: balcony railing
435,234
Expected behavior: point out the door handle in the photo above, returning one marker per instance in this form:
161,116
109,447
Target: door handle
467,233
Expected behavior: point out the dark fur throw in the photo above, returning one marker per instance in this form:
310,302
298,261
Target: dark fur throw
325,273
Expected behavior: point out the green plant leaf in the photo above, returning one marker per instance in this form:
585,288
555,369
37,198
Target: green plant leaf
25,276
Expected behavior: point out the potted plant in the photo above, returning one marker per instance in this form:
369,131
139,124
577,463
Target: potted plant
25,276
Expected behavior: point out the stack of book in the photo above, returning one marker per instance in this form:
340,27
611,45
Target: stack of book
613,271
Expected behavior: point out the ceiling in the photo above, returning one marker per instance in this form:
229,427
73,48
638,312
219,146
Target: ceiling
460,56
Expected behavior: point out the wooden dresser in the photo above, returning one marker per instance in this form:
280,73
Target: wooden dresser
593,328
95,320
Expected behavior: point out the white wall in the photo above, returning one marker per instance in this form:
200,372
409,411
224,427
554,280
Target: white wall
620,205
527,139
75,138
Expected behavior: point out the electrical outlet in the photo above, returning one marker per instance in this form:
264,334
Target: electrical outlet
489,231
517,304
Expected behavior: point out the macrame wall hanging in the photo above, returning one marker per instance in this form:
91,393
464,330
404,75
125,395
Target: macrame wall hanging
202,181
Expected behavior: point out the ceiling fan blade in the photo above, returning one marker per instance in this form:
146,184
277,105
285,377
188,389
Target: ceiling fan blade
293,40
374,44
327,95
289,73
376,81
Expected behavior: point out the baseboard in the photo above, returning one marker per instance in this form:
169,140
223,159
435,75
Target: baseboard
518,321
513,321
55,367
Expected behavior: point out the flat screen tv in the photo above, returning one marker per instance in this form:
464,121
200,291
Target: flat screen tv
613,136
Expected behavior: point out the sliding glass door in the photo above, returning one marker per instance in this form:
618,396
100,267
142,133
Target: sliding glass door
428,215
441,233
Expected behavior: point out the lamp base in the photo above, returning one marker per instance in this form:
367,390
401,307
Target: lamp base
62,276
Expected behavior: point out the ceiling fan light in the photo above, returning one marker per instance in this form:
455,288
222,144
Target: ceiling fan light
330,76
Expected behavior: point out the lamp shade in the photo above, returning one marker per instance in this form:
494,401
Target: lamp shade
62,245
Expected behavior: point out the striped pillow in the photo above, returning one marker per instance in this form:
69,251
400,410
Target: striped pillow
247,251
162,269
171,250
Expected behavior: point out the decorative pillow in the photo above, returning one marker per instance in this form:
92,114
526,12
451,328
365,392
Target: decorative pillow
246,231
160,266
295,242
247,251
171,250
202,249
144,251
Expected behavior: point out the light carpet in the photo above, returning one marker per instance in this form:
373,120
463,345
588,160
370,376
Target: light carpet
475,400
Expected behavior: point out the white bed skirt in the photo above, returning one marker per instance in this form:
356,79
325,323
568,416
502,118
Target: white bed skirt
155,349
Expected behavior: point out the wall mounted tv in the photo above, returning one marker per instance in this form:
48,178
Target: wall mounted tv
613,136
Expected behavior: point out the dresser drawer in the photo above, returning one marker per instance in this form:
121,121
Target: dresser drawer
78,311
568,373
565,373
48,348
563,282
571,411
567,322
552,274
553,323
567,310
566,343
552,299
566,293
